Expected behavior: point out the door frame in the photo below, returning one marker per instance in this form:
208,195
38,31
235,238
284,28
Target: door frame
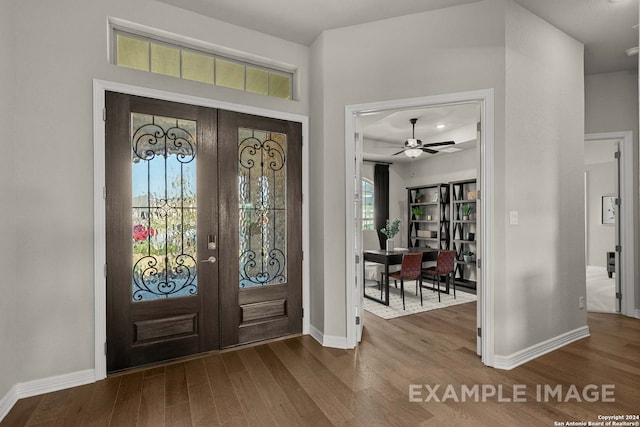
485,177
99,218
627,232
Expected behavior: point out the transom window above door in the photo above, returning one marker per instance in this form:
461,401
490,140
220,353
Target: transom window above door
157,56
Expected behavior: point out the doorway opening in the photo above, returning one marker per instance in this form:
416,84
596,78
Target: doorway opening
355,116
609,202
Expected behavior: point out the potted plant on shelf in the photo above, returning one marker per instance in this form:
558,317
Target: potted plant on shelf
466,211
390,231
468,256
417,211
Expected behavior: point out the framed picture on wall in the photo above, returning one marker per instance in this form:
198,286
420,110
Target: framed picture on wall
608,210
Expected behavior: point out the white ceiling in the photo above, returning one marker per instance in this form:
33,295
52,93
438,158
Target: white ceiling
385,133
605,27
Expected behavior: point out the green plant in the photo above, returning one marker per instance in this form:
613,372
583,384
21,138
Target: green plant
467,253
417,211
391,229
466,210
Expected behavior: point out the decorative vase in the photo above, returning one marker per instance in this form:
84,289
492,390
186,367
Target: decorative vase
465,217
389,245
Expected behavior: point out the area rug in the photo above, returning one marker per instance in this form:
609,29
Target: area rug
412,302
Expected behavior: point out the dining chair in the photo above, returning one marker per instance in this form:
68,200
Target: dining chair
444,267
411,269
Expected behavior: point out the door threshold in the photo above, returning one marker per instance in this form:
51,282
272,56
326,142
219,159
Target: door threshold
183,359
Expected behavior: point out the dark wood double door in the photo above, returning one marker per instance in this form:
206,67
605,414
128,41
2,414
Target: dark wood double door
204,215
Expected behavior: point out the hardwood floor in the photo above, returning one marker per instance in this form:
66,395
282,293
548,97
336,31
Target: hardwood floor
297,382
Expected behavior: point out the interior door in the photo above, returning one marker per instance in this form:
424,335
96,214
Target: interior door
260,241
618,235
358,291
162,219
479,238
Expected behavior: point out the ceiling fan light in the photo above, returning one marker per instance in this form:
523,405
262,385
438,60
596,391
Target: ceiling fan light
413,152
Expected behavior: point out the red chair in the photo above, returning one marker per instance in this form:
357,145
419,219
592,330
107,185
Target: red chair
444,267
411,269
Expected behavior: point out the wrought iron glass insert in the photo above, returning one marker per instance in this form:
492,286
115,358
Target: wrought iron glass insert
163,166
262,188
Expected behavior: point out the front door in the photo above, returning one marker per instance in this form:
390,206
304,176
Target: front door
171,236
261,211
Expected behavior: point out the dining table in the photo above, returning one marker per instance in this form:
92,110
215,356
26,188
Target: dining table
393,257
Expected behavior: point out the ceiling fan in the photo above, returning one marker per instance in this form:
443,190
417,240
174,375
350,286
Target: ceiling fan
414,147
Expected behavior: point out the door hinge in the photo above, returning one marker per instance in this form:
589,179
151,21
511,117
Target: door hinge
616,155
356,136
479,263
357,259
478,195
618,248
618,202
480,332
357,320
104,114
479,126
618,295
105,348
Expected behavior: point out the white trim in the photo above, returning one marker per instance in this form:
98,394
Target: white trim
486,98
99,88
335,342
42,386
637,314
7,401
55,383
316,334
523,356
119,24
627,228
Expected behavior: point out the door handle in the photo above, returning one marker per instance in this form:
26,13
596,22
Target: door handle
211,260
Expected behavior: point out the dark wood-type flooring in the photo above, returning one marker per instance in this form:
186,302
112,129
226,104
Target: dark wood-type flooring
297,382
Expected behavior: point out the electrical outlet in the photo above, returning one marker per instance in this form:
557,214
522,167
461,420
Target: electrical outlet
581,302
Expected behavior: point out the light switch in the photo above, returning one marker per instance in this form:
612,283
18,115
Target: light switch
513,217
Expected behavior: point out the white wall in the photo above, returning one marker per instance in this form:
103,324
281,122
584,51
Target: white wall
543,255
611,105
59,48
448,50
600,237
10,147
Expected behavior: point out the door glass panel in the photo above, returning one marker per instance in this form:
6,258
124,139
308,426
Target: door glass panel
262,196
163,165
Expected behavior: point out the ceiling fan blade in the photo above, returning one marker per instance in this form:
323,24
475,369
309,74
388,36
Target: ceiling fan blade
436,144
399,152
427,150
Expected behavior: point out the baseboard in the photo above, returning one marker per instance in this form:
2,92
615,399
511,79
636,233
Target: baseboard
315,333
42,386
520,357
328,340
7,401
334,341
637,314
